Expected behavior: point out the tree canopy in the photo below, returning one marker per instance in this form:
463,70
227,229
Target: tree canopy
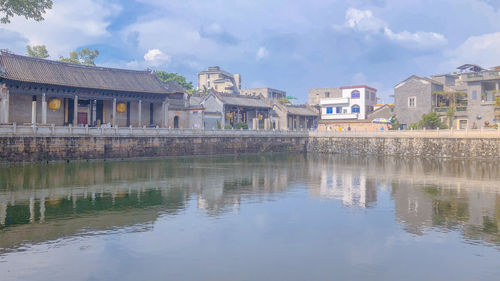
181,80
30,9
429,121
37,51
84,56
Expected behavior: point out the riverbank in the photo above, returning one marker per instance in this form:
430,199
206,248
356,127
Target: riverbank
73,144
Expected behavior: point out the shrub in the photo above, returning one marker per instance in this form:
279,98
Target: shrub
241,125
228,127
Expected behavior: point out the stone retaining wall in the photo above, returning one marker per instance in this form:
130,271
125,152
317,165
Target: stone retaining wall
34,149
55,148
442,147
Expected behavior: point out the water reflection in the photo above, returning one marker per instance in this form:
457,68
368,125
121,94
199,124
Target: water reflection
46,202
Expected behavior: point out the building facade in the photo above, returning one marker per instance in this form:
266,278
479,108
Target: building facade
316,94
355,103
466,99
294,117
413,98
219,80
39,91
268,93
222,110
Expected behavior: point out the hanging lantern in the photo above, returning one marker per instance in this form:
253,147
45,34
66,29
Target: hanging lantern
54,104
121,107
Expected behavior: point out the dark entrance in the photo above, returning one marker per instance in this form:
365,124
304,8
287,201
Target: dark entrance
99,112
176,122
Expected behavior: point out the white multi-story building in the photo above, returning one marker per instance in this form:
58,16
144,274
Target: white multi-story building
355,103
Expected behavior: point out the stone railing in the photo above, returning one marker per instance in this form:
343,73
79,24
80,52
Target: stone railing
51,130
479,133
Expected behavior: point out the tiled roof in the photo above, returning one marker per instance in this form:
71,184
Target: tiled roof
27,69
301,110
244,101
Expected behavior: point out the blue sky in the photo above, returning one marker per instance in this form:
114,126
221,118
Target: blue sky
289,45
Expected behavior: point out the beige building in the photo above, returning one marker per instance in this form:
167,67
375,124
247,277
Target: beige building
219,80
294,117
316,94
268,93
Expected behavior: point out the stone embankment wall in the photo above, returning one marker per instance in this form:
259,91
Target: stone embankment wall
44,148
54,145
438,147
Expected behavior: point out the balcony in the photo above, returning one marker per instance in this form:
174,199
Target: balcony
340,116
444,109
479,76
334,101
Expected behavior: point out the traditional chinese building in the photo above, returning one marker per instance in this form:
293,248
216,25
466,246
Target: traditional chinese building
39,91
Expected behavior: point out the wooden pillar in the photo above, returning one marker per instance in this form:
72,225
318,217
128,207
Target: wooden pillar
4,91
165,114
33,110
139,112
44,109
113,123
75,111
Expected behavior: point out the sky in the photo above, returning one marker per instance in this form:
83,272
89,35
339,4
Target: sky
287,45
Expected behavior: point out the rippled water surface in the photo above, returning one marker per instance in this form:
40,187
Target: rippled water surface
280,217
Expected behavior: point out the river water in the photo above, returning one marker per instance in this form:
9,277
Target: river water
277,217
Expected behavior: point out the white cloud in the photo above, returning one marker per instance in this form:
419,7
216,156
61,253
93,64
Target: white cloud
69,25
262,53
363,21
482,50
155,57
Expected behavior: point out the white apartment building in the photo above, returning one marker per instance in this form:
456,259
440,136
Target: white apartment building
354,103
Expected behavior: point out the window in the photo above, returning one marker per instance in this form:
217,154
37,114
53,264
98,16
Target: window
338,109
412,102
355,108
355,94
327,94
329,110
373,96
474,95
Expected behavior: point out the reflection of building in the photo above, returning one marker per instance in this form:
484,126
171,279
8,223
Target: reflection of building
351,187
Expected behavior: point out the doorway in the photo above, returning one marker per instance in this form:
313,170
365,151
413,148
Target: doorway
82,118
176,122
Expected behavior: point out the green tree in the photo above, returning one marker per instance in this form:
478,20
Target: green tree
181,80
30,9
284,101
84,56
37,51
431,121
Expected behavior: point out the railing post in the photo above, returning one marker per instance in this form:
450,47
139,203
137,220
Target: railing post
14,127
53,127
86,129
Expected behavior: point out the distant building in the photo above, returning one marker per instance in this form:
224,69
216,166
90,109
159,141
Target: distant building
226,109
355,103
316,94
219,80
293,117
474,104
267,93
